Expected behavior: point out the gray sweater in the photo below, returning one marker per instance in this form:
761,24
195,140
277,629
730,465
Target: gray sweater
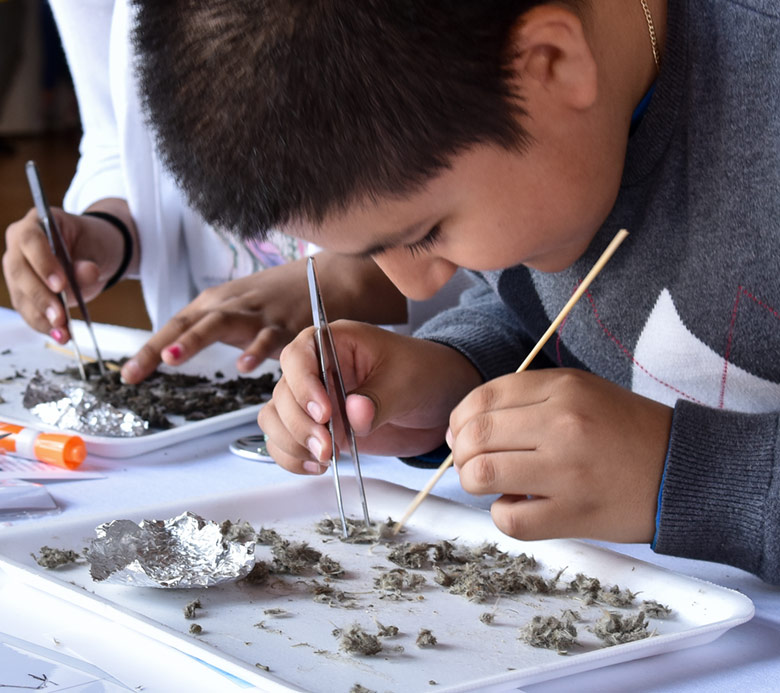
688,310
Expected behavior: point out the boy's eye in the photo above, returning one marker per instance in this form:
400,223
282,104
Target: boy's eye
426,242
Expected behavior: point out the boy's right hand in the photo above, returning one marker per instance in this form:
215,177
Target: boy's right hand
35,276
401,391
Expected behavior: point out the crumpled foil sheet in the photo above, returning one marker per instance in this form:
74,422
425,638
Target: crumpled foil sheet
185,551
71,406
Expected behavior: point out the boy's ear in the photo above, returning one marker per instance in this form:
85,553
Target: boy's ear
552,54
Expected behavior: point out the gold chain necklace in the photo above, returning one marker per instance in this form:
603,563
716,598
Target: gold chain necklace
651,29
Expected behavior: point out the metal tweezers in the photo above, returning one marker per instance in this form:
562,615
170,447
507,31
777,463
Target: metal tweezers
330,372
59,248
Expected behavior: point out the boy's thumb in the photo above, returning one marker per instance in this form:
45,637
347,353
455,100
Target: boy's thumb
361,410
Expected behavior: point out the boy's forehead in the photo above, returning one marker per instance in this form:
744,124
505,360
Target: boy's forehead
371,226
357,232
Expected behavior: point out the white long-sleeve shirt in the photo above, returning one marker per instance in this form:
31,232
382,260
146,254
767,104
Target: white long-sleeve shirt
180,254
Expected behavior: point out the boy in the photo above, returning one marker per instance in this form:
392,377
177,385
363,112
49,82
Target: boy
514,139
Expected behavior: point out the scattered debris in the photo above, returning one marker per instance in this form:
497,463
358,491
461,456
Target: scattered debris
394,583
294,558
410,555
652,609
355,640
327,566
163,394
357,688
259,574
327,594
425,638
571,615
191,608
267,536
55,558
237,531
196,629
615,629
550,632
591,592
276,612
357,531
386,631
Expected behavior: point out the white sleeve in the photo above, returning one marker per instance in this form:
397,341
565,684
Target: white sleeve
85,30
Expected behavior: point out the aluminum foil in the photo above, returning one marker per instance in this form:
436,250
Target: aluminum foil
185,551
73,407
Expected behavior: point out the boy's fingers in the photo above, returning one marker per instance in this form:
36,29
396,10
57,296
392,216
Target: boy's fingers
519,429
284,442
300,366
532,519
299,425
501,393
512,472
361,411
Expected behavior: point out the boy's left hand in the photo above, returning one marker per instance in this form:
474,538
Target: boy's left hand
574,455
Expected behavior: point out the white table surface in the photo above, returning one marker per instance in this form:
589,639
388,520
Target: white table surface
745,658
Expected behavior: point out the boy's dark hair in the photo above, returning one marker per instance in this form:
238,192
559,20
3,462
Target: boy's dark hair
269,111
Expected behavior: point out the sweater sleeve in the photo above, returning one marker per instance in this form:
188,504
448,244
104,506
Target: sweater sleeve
720,496
484,330
85,30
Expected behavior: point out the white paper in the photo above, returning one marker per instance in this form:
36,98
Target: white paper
19,468
18,496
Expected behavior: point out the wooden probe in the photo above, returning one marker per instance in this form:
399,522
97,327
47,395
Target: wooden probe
605,256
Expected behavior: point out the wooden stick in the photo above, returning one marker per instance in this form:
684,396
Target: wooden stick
64,350
581,289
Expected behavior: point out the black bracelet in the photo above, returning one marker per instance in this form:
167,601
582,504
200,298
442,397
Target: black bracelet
127,254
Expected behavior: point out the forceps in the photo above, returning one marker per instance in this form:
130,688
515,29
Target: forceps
330,372
59,248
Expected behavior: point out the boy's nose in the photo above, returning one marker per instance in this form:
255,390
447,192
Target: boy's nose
416,278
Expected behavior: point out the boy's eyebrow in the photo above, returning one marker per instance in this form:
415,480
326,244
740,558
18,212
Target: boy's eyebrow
400,238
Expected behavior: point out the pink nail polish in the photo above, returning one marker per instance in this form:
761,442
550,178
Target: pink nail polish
175,350
56,334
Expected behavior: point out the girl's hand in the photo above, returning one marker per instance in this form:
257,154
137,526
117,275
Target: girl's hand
35,276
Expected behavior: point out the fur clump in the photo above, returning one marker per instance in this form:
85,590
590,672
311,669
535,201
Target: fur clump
357,530
425,638
55,558
553,633
354,640
616,629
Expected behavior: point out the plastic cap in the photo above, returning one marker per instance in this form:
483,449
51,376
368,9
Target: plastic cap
61,449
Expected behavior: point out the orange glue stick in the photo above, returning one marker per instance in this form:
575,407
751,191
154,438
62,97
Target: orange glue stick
62,449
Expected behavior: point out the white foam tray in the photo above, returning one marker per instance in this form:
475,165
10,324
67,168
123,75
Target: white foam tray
301,650
27,353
